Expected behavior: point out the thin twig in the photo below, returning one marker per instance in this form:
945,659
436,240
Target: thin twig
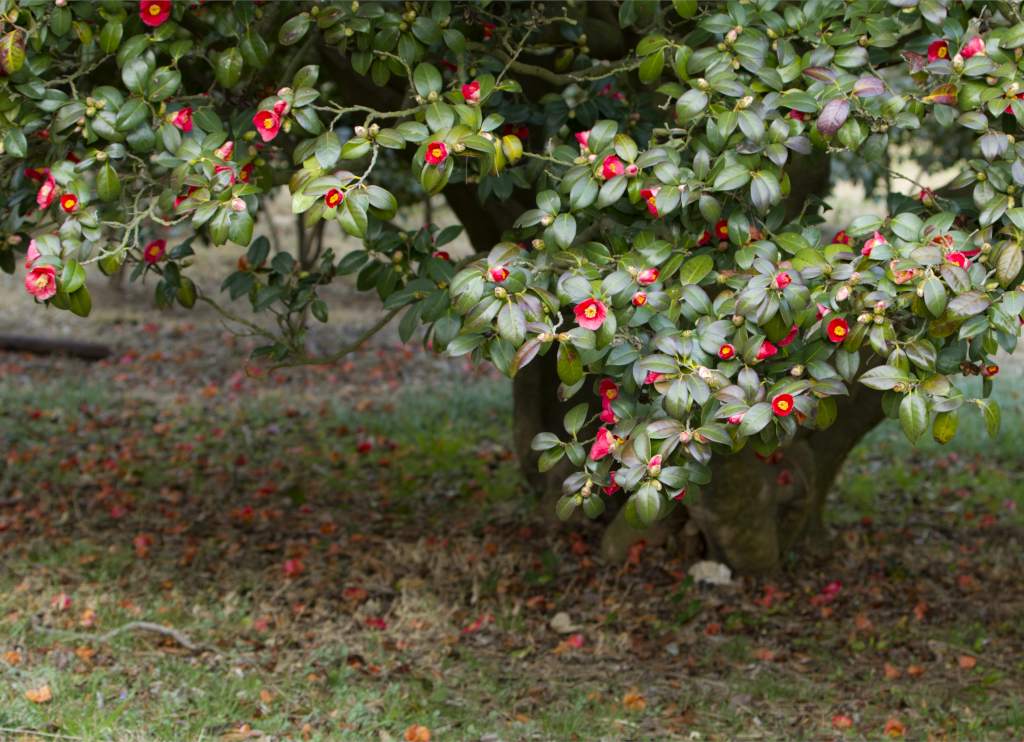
35,733
341,353
155,628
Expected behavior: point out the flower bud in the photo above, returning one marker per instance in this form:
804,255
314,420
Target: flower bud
500,292
958,63
744,102
797,371
238,204
546,220
864,318
843,294
537,244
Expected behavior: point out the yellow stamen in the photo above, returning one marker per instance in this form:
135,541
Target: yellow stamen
268,123
154,9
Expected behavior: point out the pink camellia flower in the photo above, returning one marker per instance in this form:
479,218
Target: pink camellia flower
877,239
603,444
822,311
442,255
154,251
958,259
639,299
767,350
647,276
841,238
973,47
41,282
32,255
650,197
607,413
436,153
281,107
653,377
471,92
47,192
182,119
735,419
154,12
590,314
926,196
218,169
782,280
583,139
225,150
268,124
654,465
632,170
790,336
499,273
938,50
797,115
611,167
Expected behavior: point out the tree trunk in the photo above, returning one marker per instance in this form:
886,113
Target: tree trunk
55,346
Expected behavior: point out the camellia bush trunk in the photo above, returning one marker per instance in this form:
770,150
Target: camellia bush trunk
693,351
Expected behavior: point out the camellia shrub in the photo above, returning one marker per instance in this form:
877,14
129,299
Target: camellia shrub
641,182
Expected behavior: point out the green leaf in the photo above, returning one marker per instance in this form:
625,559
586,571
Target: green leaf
935,296
945,425
228,69
564,230
575,418
164,83
647,502
293,29
110,36
883,378
427,79
108,185
755,419
913,416
80,302
12,52
732,177
570,366
968,304
1009,264
544,441
15,143
327,149
352,217
696,269
72,277
993,417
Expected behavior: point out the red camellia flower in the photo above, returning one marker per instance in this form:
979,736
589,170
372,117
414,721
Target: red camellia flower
647,276
154,12
154,251
69,202
442,255
268,124
489,29
607,413
841,238
499,273
632,170
333,198
603,444
877,239
639,298
590,314
726,352
790,336
41,282
938,49
612,488
583,138
245,174
958,259
722,229
182,119
767,350
1009,107
608,390
38,174
225,150
705,239
797,115
989,370
46,193
436,153
650,197
782,280
471,92
837,330
973,47
520,130
611,167
782,405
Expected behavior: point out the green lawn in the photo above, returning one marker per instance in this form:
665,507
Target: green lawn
348,594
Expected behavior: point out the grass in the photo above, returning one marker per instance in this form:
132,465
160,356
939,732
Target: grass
346,593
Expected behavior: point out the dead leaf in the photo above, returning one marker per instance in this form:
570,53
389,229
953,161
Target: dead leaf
966,662
765,655
12,658
417,733
891,672
42,694
634,701
915,671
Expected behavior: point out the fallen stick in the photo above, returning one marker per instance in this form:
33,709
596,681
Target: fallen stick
178,636
64,346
